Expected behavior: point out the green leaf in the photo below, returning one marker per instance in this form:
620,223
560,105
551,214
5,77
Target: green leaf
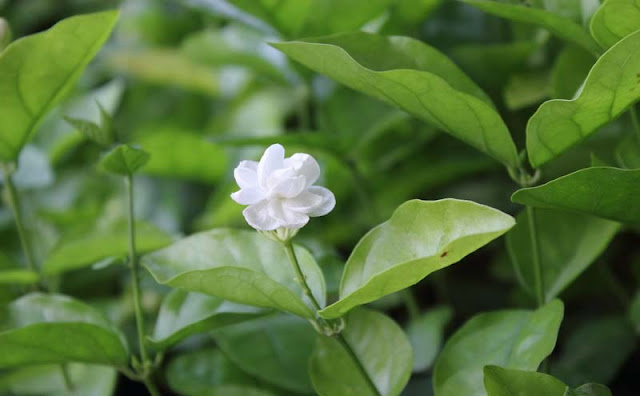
167,67
595,351
206,372
274,349
240,266
615,20
183,314
569,72
628,152
559,25
517,339
421,237
413,76
605,192
634,312
426,335
18,277
92,131
499,381
382,350
526,89
590,390
568,244
611,87
79,251
37,71
87,380
179,153
124,160
58,329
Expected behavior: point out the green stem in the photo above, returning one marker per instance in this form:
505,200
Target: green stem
151,387
345,344
411,303
137,295
14,203
302,280
535,254
68,384
288,246
635,121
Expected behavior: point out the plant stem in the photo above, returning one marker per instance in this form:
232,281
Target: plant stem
68,384
288,247
137,295
14,202
151,387
411,303
345,344
535,254
302,280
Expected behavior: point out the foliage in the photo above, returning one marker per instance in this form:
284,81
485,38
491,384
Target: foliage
124,262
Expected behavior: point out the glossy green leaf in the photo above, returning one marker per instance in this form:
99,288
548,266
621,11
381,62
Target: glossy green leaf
517,339
275,349
426,335
559,25
611,87
381,347
615,20
183,314
18,277
37,71
499,381
595,351
240,266
602,191
79,251
568,243
58,329
569,72
207,372
413,76
421,237
124,160
179,153
167,67
87,380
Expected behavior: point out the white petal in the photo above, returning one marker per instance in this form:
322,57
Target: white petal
248,196
288,187
328,201
286,217
304,203
304,165
246,174
258,217
272,159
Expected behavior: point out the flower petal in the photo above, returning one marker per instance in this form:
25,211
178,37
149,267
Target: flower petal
304,165
303,203
328,201
246,174
272,159
248,196
287,187
286,217
258,217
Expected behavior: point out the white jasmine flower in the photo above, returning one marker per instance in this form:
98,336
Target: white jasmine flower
280,191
